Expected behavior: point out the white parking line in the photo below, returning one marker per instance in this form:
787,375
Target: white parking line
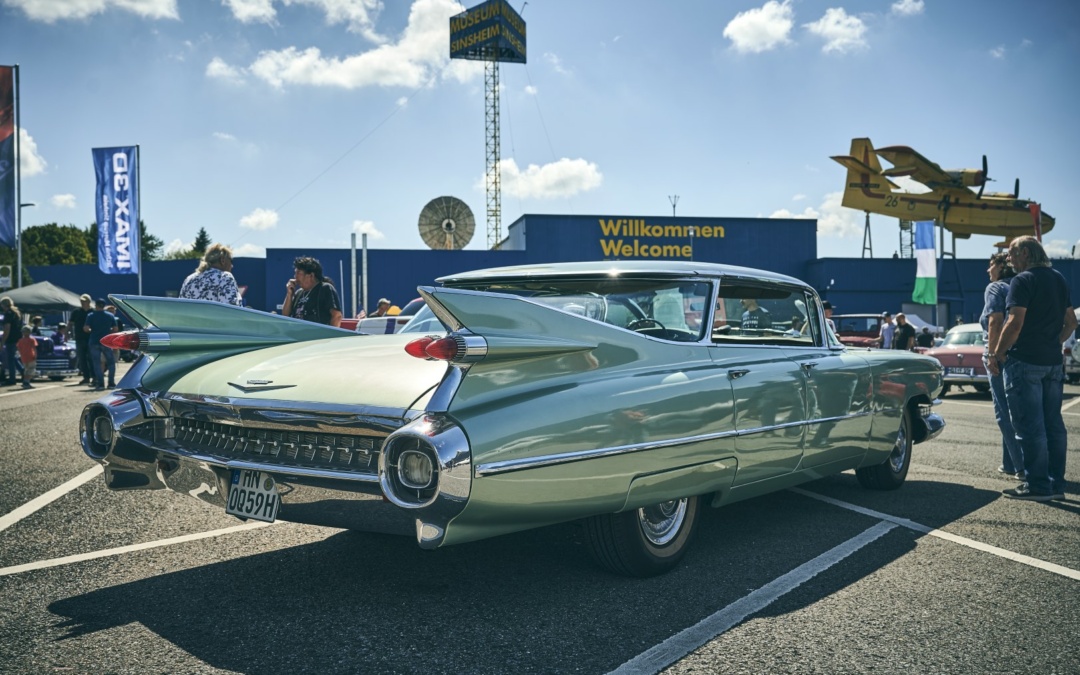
679,645
56,562
9,519
1071,403
955,538
36,387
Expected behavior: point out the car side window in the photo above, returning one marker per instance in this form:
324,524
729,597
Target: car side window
765,314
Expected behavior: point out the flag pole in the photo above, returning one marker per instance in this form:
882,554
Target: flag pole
138,218
18,180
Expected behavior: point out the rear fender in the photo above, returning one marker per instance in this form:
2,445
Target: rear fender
185,334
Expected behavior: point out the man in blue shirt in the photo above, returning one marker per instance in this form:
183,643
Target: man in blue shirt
1028,353
100,323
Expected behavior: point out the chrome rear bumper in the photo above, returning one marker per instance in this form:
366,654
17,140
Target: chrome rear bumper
142,452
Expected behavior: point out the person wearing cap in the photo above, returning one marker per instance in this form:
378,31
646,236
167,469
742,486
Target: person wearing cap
82,339
885,334
213,279
59,337
827,306
386,308
35,326
100,323
27,347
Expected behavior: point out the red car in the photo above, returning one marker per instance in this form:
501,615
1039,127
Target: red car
858,330
961,357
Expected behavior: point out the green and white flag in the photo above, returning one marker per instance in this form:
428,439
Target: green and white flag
925,292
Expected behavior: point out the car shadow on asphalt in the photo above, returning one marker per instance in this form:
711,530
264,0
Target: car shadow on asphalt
533,600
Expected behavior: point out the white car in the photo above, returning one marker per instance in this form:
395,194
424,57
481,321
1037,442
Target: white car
386,325
1070,355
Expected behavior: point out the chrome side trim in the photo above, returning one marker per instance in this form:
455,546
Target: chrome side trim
507,466
493,468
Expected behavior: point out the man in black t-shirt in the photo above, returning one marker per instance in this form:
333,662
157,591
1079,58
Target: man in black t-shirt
1028,353
925,338
309,295
904,337
82,339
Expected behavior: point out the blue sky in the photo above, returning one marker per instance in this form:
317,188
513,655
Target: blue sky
293,123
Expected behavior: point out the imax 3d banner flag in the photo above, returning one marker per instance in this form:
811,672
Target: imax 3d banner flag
117,209
926,258
7,156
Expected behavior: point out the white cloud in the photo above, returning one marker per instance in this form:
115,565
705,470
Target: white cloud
761,29
260,219
402,101
359,15
30,162
50,11
408,62
177,245
222,136
367,227
808,213
249,251
62,201
252,11
842,33
219,70
907,7
833,219
798,198
556,63
530,90
1060,248
998,52
563,178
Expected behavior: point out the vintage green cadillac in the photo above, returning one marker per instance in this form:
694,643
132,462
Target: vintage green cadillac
629,395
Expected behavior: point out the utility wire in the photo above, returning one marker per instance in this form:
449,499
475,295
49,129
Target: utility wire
358,143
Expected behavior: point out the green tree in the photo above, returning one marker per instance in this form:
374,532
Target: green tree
202,241
53,244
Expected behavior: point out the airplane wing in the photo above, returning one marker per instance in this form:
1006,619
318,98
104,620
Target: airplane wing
907,162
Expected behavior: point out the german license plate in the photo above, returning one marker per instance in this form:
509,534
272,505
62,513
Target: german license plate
970,372
252,494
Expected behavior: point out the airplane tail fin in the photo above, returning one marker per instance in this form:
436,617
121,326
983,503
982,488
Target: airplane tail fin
863,168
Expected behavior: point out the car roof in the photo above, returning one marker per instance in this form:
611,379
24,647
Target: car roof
966,328
619,268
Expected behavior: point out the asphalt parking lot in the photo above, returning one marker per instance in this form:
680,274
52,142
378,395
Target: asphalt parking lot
943,575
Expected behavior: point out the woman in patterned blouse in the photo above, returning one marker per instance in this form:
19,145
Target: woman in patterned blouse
213,279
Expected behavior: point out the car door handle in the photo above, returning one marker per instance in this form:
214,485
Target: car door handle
736,374
808,365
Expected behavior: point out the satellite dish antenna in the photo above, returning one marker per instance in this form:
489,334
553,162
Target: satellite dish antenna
447,223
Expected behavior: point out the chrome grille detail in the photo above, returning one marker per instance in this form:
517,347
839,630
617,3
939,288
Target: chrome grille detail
359,454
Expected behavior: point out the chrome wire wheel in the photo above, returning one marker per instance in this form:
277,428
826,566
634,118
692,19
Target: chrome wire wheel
660,523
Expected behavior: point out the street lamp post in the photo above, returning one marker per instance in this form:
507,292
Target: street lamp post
18,242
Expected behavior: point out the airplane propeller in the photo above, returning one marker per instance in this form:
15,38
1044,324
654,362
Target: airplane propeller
986,177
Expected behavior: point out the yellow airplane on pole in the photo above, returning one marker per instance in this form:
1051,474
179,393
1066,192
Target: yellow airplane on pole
950,201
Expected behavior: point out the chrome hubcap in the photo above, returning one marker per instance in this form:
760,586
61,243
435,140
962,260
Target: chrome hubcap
660,523
899,451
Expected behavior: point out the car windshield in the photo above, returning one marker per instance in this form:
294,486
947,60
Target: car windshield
669,309
424,321
963,338
856,324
